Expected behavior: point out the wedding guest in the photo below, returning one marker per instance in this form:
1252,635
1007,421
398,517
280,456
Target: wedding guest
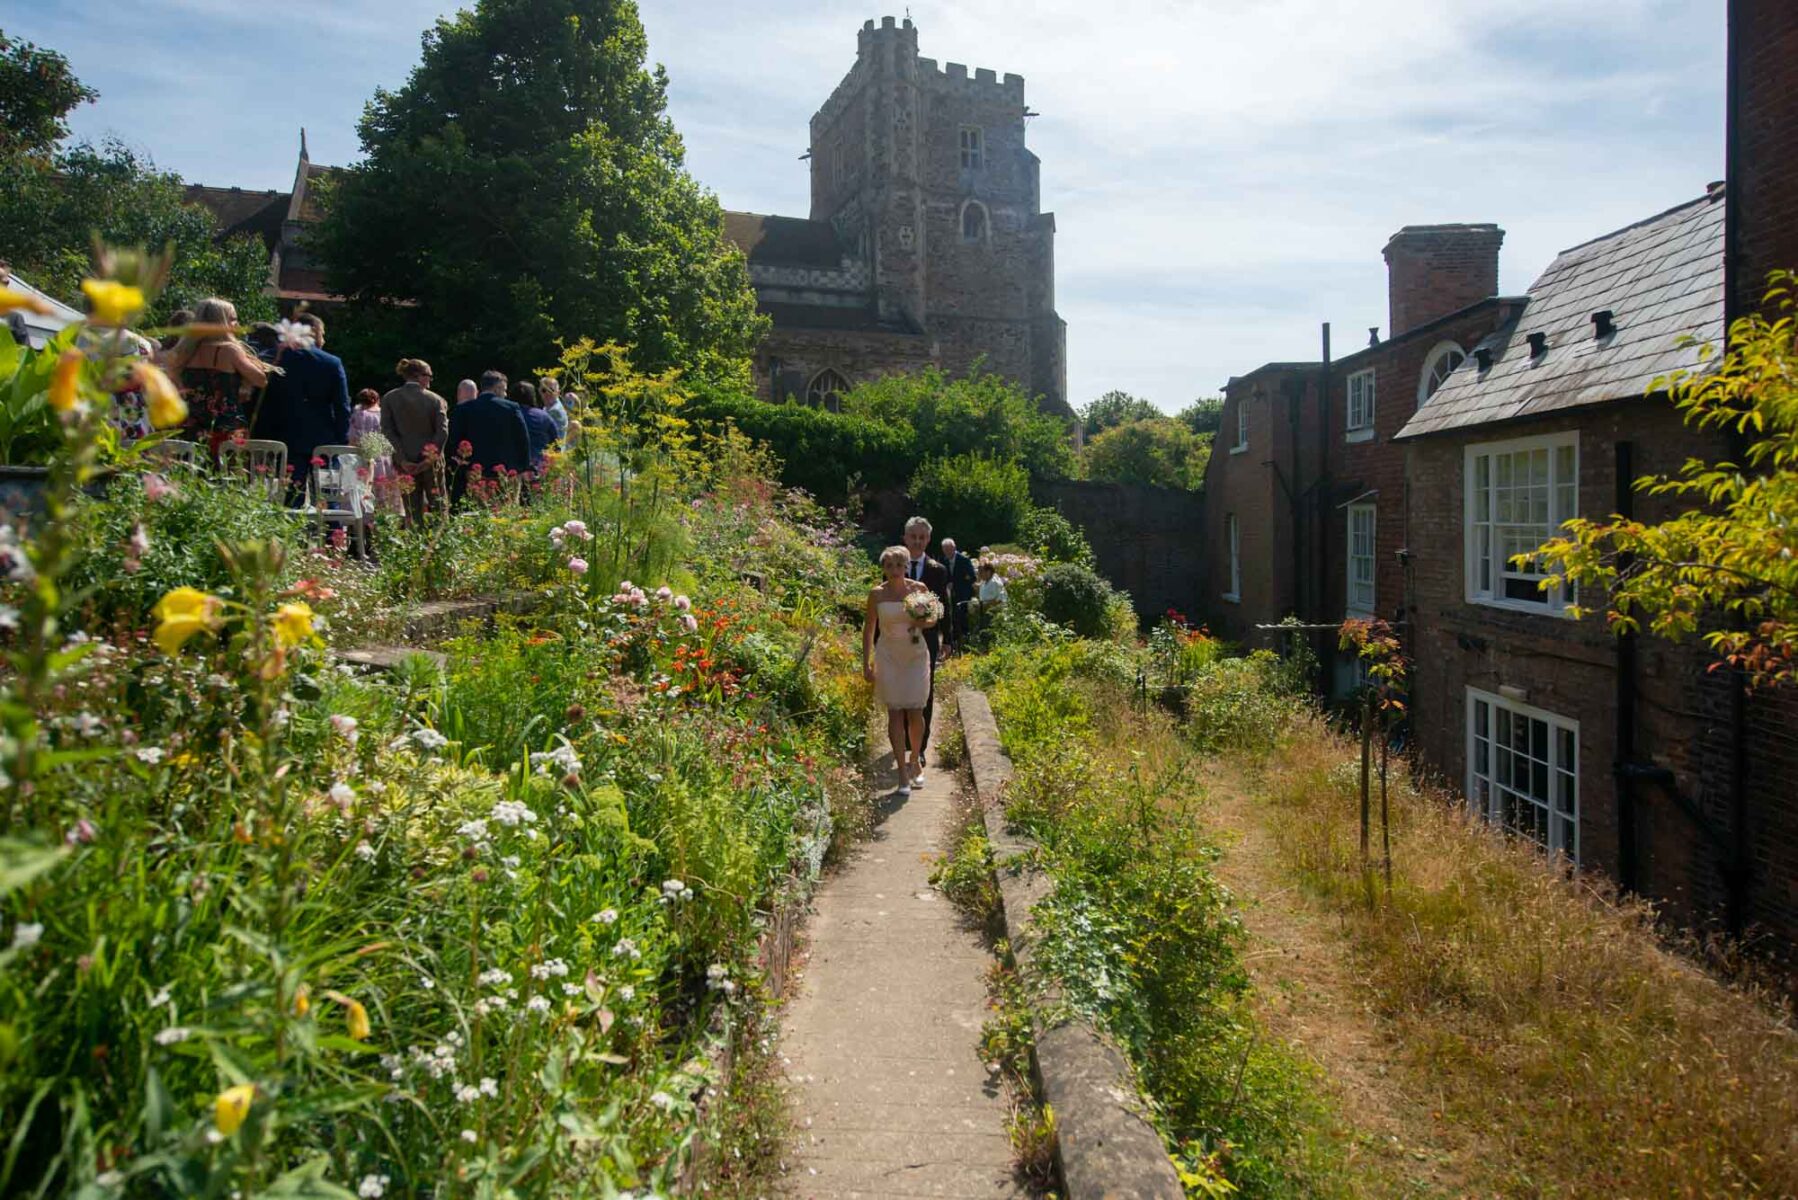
365,418
415,420
212,370
961,591
488,433
933,575
179,318
15,319
896,659
549,390
311,397
992,588
537,423
466,391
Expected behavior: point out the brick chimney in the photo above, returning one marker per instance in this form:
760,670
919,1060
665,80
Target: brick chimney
1433,270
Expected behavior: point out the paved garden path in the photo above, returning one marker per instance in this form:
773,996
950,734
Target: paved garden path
881,1036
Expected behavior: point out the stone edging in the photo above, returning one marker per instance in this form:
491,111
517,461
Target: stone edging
1104,1148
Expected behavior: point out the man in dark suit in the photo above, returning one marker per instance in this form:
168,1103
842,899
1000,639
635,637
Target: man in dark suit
961,593
934,576
487,432
310,399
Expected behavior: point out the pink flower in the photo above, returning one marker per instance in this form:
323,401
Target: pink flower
578,529
83,833
682,604
157,488
578,565
690,623
664,593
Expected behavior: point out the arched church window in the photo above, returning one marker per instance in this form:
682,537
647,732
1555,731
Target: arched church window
1444,358
973,222
826,390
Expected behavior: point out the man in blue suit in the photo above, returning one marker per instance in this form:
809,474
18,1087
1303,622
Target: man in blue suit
310,398
487,432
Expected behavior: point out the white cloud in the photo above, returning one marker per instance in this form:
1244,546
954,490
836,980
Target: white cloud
1223,172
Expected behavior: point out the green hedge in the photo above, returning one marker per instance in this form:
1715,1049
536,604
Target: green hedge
819,451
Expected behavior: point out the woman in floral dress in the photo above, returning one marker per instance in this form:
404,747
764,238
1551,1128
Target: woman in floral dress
213,369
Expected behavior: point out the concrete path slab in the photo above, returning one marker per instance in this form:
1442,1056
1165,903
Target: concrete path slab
881,1037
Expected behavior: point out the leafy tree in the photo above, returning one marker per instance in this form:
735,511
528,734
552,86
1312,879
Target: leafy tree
1731,559
1203,416
526,187
38,90
1161,452
51,210
974,499
981,414
1053,538
1115,408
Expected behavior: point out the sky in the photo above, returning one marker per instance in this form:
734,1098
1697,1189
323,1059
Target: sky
1223,173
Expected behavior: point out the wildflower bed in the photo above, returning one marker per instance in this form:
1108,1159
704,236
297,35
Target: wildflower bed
273,926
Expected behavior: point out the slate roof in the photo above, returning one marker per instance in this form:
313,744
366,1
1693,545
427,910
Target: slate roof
785,241
1660,278
239,211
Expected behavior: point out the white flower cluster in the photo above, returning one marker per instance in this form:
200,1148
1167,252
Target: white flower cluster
717,978
513,813
555,968
468,1093
626,948
605,916
172,1035
437,1062
474,831
561,761
429,739
502,997
373,1187
674,891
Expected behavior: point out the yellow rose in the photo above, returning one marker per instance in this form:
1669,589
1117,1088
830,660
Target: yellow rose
65,382
293,624
232,1106
112,303
183,613
166,407
11,298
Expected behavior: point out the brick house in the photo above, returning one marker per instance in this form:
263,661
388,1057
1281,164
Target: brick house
1553,726
926,243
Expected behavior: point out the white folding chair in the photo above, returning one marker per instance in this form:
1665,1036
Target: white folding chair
340,496
174,452
261,462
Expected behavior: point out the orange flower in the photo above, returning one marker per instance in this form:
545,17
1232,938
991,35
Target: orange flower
65,382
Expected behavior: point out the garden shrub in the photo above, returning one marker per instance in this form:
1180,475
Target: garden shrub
980,413
1075,596
823,452
1053,538
974,499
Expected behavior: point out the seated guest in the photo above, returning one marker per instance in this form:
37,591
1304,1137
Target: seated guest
311,398
487,433
212,369
537,423
992,588
416,421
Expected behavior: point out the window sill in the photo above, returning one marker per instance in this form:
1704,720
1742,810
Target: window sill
1243,449
1558,612
1359,435
1231,598
1358,614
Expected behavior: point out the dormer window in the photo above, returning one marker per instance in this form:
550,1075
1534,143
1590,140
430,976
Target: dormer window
973,148
1443,359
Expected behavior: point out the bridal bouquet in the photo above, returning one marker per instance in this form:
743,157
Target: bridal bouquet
922,607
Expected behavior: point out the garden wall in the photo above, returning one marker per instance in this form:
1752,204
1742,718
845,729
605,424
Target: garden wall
1149,541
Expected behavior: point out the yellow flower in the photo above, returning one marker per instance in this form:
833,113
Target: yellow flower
293,624
302,1002
112,303
161,397
183,613
65,382
11,298
232,1106
357,1017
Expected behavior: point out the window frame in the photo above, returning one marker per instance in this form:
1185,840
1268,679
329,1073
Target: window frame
1359,430
1561,824
1446,346
831,401
986,222
972,150
1233,538
1371,511
1562,506
1242,427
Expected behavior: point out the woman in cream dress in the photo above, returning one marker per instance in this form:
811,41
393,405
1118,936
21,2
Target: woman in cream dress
896,660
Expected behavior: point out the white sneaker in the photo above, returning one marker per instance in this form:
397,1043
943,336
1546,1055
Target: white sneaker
904,790
918,779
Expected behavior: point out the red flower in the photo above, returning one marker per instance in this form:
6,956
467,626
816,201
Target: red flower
465,448
318,460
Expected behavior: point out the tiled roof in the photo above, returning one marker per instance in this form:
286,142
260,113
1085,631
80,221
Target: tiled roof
239,211
1660,278
785,241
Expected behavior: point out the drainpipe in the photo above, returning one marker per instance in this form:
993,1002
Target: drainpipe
1321,491
1624,750
1736,874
